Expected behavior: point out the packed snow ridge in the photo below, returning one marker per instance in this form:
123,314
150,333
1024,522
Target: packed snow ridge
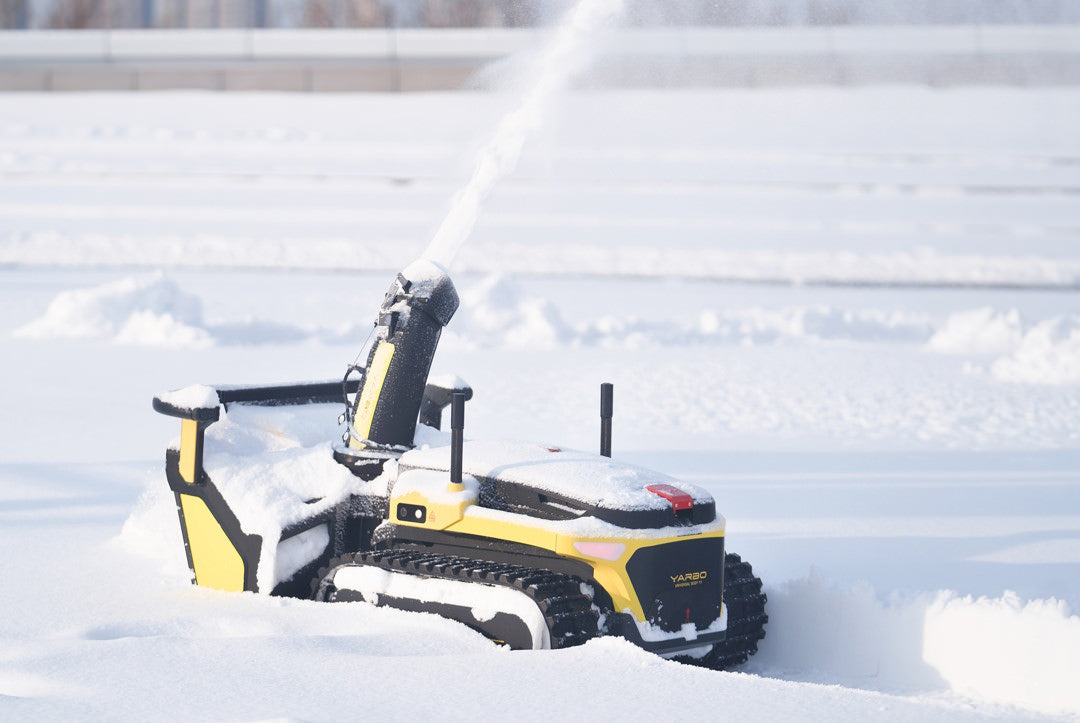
1047,352
981,648
152,310
147,310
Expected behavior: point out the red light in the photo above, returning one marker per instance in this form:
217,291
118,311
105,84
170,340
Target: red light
679,500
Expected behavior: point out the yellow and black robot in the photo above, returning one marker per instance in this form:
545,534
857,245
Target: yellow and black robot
533,546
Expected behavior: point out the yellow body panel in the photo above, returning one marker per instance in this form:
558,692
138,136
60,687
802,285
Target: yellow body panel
217,563
440,515
610,574
369,396
189,434
507,530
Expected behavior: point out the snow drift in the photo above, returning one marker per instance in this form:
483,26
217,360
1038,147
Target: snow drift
150,310
495,313
1001,650
978,331
1047,352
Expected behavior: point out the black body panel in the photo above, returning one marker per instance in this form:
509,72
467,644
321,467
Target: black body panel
526,500
436,399
622,624
679,582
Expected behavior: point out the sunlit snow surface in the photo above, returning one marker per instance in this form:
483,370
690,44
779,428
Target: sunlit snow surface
899,462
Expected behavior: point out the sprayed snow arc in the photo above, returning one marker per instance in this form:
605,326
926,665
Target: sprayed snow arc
564,56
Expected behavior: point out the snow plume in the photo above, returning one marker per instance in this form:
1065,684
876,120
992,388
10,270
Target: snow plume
146,310
982,648
565,56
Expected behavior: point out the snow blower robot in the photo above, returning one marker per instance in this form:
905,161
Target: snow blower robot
533,546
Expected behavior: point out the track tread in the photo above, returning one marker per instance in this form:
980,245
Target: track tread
746,617
571,617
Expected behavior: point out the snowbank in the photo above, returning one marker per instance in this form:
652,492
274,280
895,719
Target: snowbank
998,650
147,310
154,311
1048,354
978,331
496,313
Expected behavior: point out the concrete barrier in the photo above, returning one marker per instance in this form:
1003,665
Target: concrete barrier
439,59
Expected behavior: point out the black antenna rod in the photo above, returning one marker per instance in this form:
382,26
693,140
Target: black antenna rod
457,432
607,394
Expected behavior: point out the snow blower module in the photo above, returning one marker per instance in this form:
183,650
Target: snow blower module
533,546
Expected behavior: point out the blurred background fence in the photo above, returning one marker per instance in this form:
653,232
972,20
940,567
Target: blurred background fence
99,14
402,45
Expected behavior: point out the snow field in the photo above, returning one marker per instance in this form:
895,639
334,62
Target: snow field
841,521
887,416
879,185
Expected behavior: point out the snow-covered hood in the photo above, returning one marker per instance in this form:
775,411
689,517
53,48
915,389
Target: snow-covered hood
590,478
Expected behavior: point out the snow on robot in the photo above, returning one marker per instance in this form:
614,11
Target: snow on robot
533,546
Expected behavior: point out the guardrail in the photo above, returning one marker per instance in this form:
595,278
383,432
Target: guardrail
446,57
389,44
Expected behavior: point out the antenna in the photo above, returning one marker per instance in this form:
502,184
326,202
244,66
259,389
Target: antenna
607,393
457,439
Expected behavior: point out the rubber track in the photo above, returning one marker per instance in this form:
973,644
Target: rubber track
746,617
569,613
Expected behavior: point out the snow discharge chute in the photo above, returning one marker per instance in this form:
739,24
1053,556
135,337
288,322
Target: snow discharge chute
420,302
